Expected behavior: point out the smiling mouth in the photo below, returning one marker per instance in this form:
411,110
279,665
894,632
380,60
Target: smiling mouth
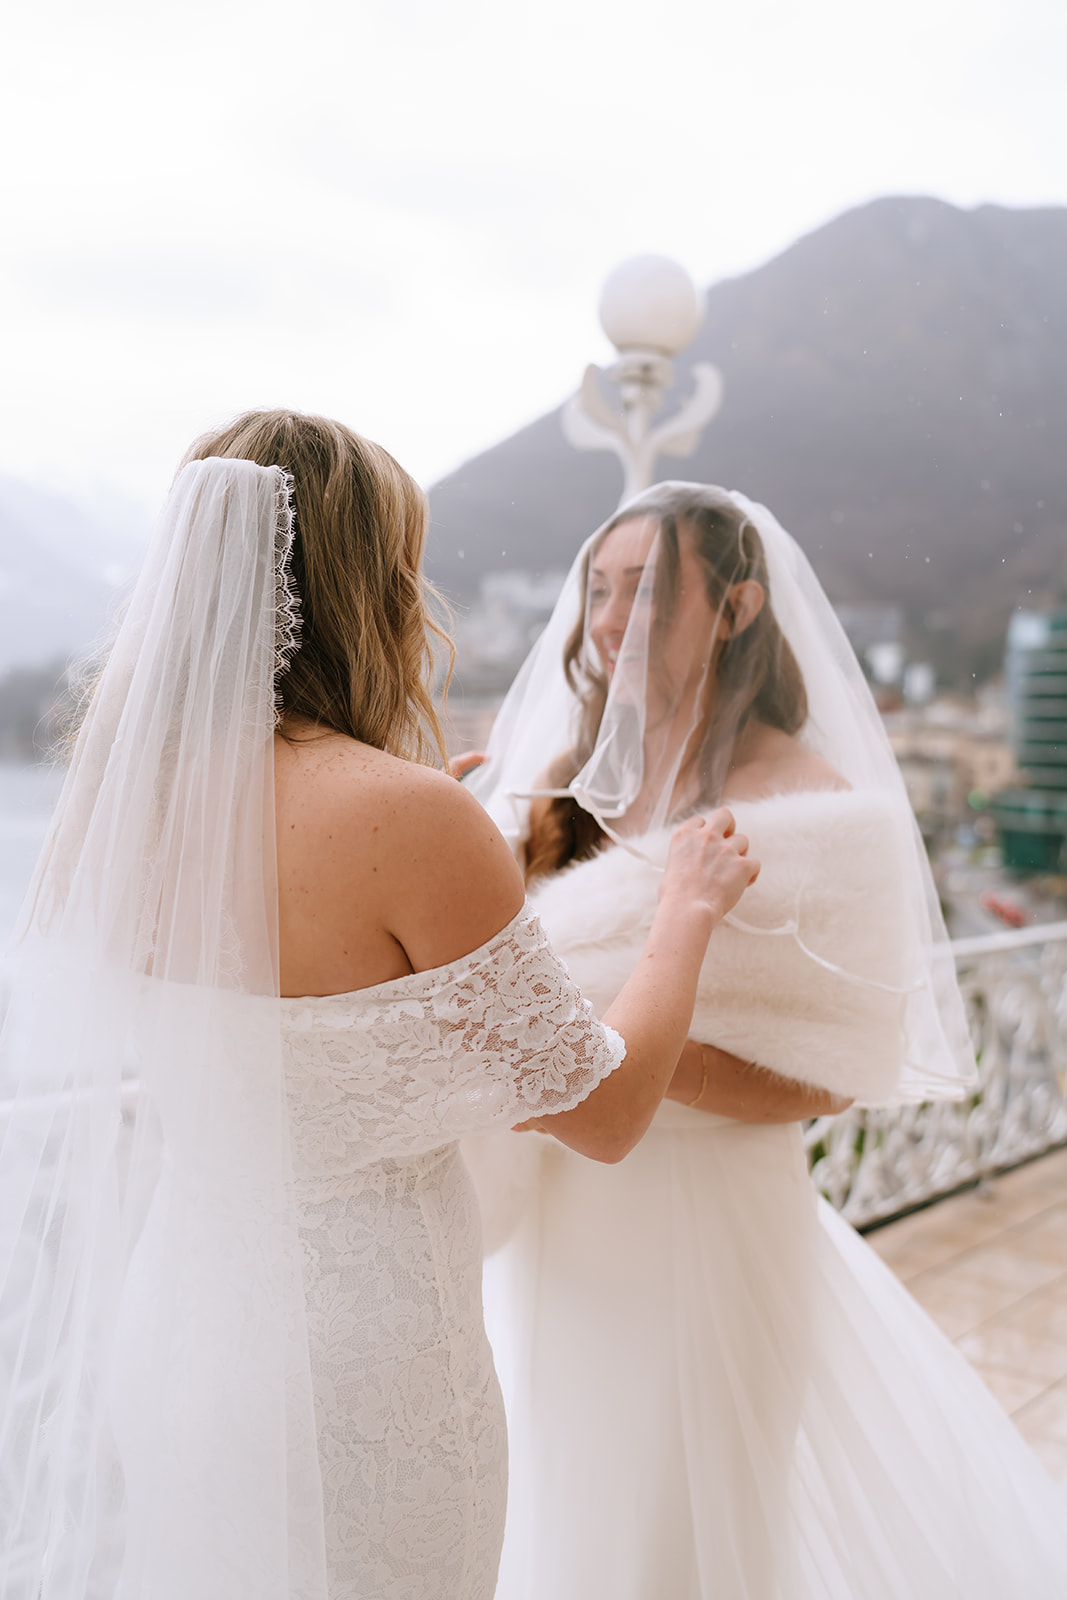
614,659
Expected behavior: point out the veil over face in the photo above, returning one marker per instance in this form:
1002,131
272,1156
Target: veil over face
692,646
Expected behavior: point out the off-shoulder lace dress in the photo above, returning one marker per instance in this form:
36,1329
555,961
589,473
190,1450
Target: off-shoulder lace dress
382,1082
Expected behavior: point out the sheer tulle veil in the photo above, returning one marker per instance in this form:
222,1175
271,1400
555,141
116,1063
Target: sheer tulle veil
625,768
157,1436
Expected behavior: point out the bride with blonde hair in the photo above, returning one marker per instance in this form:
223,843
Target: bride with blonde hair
273,967
715,1391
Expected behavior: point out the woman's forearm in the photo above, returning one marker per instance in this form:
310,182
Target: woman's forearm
710,1079
651,1014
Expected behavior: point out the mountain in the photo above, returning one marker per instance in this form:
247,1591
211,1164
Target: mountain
61,572
895,391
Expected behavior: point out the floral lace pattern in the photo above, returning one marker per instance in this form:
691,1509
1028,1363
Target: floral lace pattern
382,1083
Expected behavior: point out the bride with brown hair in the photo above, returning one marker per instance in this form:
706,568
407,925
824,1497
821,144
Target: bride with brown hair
715,1391
274,966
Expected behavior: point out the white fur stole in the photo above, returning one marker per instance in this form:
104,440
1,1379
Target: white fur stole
811,973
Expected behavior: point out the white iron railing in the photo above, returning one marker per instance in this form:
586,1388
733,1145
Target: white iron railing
874,1164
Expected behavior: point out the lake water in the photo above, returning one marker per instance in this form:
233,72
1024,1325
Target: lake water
27,795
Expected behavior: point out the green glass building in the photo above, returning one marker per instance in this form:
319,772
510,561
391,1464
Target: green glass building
1032,820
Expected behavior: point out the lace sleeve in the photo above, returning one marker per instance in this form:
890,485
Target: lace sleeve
501,1035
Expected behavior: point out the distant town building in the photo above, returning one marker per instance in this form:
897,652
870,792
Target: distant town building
872,628
954,756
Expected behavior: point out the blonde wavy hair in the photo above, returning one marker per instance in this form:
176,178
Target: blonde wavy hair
365,664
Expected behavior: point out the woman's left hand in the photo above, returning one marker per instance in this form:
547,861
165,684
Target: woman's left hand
709,1079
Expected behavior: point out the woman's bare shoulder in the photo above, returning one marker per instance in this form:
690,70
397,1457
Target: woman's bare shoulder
400,837
772,762
455,882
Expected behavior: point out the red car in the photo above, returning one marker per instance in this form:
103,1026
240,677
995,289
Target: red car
1014,916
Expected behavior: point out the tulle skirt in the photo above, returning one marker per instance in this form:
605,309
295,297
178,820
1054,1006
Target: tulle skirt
716,1391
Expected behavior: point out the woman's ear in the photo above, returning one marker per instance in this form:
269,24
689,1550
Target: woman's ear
746,602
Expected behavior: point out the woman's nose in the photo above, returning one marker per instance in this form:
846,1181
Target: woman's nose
614,615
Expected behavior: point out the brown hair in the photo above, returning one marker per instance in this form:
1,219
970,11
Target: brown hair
365,662
756,674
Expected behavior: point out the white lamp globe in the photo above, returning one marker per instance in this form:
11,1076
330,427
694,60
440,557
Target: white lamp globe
650,303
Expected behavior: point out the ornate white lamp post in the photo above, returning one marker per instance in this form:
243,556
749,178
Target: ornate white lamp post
650,310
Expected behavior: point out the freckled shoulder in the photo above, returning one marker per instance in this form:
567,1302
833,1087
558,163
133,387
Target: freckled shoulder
333,780
457,882
371,845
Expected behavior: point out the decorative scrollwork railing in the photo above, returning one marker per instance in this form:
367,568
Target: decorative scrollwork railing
874,1164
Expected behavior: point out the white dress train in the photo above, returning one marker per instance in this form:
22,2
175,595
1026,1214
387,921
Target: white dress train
716,1391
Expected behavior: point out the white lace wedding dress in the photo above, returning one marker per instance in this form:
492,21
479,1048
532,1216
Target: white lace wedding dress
381,1083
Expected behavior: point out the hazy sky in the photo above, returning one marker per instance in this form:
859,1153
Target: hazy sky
400,211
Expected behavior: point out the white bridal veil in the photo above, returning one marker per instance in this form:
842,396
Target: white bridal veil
623,741
157,1439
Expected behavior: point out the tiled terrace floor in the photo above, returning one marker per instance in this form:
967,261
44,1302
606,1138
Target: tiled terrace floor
991,1269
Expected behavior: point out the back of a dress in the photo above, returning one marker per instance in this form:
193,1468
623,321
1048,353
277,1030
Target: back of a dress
381,1084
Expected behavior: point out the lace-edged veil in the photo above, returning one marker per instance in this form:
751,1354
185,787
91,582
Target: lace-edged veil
637,716
157,1435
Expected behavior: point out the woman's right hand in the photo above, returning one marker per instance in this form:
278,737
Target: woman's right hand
462,766
708,865
707,871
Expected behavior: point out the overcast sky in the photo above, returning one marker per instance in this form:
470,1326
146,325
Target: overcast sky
400,212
